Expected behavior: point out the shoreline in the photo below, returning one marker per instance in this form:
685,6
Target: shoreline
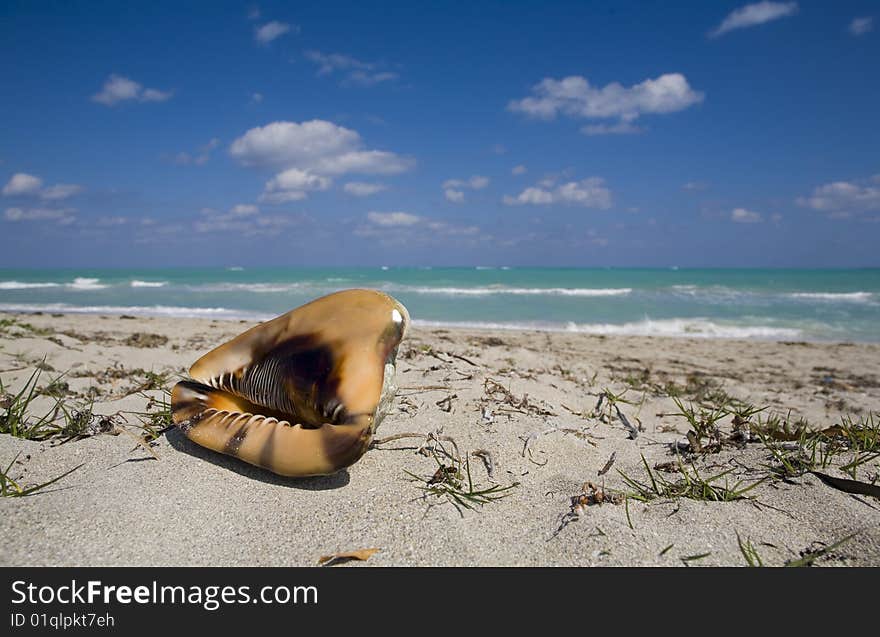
599,330
528,398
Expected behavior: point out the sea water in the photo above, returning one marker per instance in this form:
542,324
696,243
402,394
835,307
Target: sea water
839,305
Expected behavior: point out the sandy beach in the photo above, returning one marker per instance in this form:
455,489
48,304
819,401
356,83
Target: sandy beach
526,400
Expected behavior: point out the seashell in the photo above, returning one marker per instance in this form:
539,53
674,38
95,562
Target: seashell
302,394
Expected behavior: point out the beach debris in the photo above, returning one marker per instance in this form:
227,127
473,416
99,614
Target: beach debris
608,464
819,549
303,393
590,495
849,486
454,483
143,339
582,434
11,488
346,556
486,456
445,404
495,391
433,442
631,430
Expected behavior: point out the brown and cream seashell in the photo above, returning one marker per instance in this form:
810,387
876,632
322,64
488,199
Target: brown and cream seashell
302,394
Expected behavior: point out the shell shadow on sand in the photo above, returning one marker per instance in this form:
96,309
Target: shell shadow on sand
181,443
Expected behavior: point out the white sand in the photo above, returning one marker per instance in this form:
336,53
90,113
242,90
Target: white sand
195,507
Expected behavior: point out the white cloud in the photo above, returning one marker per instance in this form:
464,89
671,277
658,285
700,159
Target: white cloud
843,198
244,210
109,222
331,62
22,184
282,196
589,193
752,15
310,153
861,26
393,218
63,216
292,185
453,188
364,78
396,228
694,185
478,182
120,89
620,128
198,158
741,215
60,191
356,71
575,97
519,170
155,95
257,98
363,189
244,219
270,31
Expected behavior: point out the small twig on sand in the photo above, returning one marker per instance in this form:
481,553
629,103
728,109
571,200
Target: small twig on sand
486,456
423,388
433,436
633,431
608,464
446,403
527,441
462,358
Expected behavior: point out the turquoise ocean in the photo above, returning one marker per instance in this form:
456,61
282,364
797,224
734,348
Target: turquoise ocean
816,305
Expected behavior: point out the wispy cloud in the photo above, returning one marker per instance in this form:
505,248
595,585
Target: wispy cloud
62,216
243,219
861,26
752,15
620,128
843,199
25,185
741,215
519,170
393,218
575,97
121,89
355,72
407,228
589,193
272,31
363,189
22,184
200,157
60,191
453,189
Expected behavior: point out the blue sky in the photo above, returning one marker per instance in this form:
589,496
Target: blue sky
488,133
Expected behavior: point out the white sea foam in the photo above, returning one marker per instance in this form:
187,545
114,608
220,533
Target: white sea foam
245,287
84,283
856,297
486,291
148,284
21,285
138,310
678,327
